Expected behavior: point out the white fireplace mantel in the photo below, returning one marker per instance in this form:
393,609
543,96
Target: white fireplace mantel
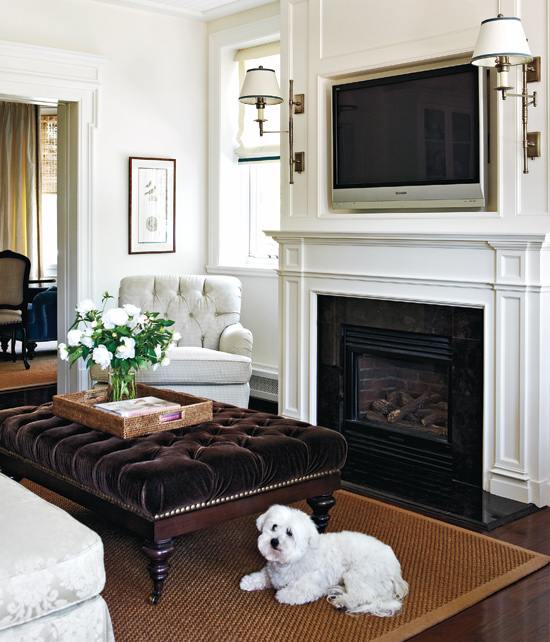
508,276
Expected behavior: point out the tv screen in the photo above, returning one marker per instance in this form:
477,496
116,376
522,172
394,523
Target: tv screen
413,131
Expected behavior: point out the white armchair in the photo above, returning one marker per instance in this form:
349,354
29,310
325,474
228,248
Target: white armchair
213,358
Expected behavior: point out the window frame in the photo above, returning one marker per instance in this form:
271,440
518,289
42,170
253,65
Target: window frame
227,249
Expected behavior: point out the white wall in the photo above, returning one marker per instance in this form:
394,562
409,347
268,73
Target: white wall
152,102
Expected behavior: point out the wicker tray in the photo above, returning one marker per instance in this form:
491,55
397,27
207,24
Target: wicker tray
79,407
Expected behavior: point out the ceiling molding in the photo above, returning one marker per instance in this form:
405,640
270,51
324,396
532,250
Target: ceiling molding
201,10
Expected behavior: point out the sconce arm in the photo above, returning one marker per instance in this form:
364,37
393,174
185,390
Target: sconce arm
526,97
296,162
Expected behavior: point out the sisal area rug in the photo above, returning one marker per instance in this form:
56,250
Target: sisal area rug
448,570
43,371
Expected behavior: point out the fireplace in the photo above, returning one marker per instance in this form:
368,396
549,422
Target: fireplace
398,415
404,383
488,292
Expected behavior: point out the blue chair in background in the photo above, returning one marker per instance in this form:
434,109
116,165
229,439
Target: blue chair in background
41,322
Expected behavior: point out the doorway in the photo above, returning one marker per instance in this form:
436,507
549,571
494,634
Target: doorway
29,227
72,81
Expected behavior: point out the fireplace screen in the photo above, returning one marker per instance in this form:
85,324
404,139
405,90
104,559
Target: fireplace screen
399,381
402,394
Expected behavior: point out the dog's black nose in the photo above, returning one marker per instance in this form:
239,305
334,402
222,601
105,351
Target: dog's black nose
274,542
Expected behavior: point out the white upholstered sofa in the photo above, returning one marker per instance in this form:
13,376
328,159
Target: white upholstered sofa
51,573
213,358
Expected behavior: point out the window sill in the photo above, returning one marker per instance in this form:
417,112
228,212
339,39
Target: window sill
268,270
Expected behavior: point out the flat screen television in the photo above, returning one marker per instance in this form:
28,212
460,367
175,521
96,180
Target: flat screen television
410,141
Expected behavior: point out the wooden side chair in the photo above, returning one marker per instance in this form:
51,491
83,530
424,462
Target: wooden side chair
14,283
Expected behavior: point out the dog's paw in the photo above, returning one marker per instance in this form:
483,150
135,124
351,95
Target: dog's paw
338,602
255,582
338,598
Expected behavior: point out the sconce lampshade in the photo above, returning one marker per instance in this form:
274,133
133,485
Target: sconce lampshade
502,36
260,83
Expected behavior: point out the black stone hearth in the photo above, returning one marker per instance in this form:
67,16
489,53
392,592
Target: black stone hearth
438,469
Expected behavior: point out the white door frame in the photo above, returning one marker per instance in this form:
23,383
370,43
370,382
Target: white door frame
71,79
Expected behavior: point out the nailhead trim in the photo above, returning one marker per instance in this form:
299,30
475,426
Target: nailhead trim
248,493
177,511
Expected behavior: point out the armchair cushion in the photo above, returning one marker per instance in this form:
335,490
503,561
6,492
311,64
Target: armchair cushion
194,366
10,317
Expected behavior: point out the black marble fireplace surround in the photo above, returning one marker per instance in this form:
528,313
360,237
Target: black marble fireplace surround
441,472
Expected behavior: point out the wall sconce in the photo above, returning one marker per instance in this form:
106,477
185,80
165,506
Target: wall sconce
260,88
502,43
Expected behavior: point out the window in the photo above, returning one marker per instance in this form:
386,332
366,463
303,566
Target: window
48,218
262,182
259,159
245,168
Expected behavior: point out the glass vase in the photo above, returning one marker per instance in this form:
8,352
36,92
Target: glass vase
122,385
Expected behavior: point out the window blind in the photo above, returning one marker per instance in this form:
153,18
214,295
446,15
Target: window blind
48,134
250,145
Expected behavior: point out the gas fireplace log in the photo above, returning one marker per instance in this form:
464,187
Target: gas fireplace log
371,415
424,412
435,417
440,431
404,398
394,400
383,406
409,408
381,418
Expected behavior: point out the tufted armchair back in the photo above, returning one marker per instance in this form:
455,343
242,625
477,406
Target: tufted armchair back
201,306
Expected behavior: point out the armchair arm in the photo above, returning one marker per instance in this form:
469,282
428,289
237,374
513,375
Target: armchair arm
236,340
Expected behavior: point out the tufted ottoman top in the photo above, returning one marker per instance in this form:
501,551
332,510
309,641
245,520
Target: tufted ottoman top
239,453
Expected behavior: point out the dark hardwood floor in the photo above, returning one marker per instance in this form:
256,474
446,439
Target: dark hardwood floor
519,613
26,396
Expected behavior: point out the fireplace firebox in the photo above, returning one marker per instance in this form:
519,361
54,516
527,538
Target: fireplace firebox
397,397
404,383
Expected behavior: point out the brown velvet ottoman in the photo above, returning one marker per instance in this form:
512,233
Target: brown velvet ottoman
170,483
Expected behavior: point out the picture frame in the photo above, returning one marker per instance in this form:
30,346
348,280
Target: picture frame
152,204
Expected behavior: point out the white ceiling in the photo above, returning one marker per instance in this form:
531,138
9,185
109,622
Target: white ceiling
195,9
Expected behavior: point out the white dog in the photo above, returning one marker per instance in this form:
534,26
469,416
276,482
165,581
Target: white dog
357,573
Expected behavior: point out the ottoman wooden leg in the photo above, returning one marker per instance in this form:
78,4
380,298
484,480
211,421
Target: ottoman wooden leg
321,506
158,553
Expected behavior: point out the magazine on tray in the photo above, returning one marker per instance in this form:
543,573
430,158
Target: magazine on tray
137,407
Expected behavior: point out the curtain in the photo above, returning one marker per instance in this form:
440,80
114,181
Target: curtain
19,181
250,144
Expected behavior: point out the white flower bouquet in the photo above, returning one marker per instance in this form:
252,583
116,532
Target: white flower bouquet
122,339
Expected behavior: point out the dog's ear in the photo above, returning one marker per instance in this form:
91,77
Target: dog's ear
261,521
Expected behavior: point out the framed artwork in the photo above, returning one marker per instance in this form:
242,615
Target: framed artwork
152,205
